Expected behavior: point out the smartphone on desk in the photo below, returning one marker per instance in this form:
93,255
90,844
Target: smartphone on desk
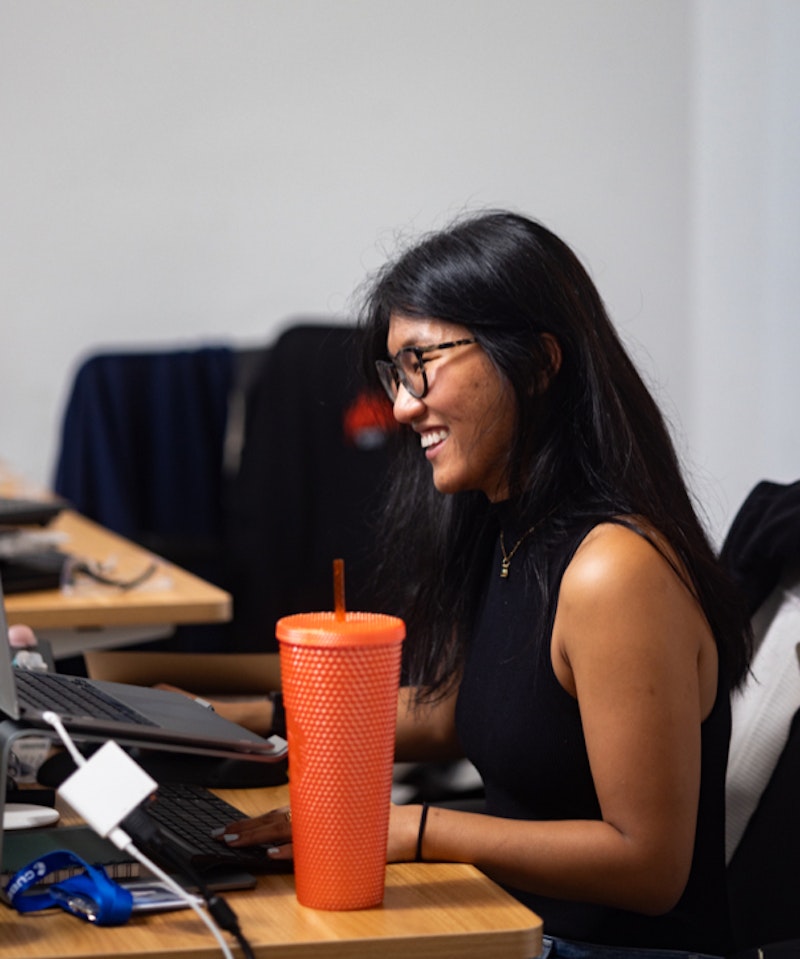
154,895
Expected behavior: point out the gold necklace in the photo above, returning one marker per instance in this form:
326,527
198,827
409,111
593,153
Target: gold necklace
505,563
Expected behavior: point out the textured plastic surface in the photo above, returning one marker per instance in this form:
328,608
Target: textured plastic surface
340,679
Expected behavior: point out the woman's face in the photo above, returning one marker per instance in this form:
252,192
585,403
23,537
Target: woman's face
466,420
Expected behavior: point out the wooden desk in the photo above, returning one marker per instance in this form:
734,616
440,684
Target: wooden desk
169,597
430,911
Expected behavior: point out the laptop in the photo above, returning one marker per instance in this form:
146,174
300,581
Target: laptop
19,511
136,716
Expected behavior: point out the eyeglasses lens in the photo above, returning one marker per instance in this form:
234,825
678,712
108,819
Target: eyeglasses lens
389,377
406,368
411,372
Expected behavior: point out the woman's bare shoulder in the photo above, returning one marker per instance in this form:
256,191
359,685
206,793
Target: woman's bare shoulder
616,555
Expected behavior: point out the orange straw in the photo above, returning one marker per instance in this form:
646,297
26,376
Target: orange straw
338,588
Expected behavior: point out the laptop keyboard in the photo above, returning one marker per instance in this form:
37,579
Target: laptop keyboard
72,696
188,814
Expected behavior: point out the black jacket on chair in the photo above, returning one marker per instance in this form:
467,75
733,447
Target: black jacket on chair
764,539
312,465
764,872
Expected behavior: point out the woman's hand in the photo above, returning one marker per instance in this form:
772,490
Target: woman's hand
273,829
20,637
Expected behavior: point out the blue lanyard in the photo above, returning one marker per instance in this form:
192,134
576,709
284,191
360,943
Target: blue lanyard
90,895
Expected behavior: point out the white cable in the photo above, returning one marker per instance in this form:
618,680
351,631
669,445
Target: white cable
123,841
194,902
72,749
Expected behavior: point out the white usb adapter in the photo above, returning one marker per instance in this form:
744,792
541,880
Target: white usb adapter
106,788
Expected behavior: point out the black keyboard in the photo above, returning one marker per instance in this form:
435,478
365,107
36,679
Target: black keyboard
72,697
188,814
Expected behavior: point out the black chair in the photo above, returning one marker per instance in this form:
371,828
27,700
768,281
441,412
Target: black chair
762,546
141,453
252,468
312,465
763,875
142,444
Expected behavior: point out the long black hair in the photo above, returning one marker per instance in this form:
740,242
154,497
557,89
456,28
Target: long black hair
593,442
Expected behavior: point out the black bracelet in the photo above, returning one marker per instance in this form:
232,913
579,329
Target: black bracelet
422,820
278,715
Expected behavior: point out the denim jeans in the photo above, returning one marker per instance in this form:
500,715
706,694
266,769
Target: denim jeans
553,948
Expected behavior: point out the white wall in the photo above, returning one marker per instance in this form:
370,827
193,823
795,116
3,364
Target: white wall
178,171
745,330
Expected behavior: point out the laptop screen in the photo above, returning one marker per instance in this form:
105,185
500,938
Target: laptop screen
8,690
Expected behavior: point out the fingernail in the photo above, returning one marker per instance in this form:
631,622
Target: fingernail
273,850
216,833
231,836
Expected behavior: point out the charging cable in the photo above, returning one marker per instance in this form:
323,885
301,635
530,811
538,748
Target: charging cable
140,824
100,574
80,791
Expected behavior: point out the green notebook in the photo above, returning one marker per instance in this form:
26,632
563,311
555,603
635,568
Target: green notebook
25,845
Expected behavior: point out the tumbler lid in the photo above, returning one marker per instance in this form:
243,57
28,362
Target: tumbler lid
337,629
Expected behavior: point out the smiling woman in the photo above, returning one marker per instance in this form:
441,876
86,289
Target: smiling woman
568,627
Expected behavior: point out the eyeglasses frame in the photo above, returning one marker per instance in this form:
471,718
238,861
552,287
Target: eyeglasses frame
396,375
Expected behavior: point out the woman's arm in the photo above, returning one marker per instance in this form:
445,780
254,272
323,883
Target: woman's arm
632,645
424,732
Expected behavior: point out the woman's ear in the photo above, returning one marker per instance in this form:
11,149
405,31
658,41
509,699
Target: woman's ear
552,350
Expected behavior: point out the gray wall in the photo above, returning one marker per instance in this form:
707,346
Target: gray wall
174,172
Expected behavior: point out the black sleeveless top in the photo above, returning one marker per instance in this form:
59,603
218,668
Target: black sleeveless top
522,730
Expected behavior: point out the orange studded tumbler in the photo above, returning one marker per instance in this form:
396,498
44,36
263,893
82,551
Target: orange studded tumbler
340,675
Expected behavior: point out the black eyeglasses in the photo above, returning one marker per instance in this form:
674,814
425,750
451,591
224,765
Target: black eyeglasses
407,366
